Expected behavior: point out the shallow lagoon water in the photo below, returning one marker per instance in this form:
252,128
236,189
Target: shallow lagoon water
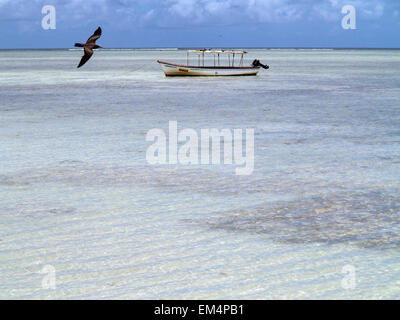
78,195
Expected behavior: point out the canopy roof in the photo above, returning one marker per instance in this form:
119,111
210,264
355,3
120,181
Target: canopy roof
218,51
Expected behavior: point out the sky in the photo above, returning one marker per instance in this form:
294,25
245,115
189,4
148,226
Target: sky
201,23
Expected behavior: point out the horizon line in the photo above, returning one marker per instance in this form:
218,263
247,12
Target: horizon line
234,47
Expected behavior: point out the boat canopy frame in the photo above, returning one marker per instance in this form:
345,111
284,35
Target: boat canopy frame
217,61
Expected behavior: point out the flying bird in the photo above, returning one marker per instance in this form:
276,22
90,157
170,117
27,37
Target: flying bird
89,46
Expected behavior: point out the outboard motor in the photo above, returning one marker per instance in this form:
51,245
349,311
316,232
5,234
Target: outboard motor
257,63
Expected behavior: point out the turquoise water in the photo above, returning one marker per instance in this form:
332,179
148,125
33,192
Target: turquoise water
78,195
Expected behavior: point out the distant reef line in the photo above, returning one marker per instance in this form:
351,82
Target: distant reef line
191,48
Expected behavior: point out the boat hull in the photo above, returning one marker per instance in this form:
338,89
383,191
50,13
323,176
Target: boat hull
172,69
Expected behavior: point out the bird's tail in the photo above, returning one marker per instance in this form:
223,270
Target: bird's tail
78,45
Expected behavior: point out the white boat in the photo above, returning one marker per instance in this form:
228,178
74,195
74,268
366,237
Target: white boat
174,69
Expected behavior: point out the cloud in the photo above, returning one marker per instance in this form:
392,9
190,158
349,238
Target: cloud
179,13
268,11
233,11
366,9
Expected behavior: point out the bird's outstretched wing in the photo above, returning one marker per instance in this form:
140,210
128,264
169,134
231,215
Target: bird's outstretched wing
94,36
86,57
